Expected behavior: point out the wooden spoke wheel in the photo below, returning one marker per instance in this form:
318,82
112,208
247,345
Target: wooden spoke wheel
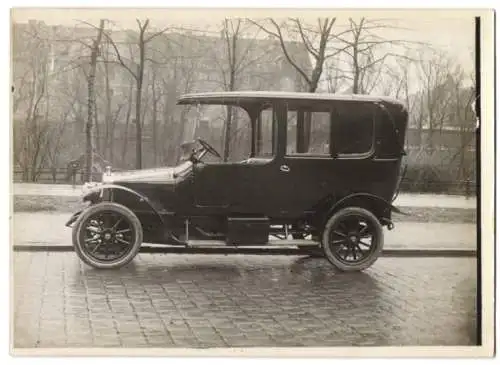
353,239
107,235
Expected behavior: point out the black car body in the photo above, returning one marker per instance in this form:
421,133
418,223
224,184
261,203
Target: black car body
298,195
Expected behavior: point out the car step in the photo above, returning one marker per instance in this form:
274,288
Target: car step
272,243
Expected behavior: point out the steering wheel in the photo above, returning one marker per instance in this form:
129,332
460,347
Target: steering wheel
209,148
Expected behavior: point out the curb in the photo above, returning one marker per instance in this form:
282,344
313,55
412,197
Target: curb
439,252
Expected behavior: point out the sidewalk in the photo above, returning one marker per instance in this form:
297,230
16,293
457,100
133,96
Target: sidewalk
403,200
46,231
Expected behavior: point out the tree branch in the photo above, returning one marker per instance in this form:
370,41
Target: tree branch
280,38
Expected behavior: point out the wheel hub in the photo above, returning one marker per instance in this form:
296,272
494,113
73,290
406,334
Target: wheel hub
108,236
353,238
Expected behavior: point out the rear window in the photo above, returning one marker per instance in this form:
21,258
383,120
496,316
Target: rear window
354,129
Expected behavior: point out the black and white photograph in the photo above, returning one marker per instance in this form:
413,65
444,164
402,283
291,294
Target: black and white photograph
246,181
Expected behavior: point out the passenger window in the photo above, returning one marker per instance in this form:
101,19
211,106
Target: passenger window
319,143
353,131
266,147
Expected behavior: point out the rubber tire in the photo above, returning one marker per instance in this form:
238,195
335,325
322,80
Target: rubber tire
107,206
378,232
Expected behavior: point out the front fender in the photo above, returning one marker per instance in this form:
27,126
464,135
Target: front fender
97,194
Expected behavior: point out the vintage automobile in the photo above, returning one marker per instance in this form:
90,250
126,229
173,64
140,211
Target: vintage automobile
325,182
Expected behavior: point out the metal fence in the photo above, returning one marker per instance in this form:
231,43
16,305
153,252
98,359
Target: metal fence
52,176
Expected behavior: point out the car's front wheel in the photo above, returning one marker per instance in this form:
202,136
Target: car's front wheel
107,236
353,239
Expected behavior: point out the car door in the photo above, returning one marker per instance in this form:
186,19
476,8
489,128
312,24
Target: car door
306,176
214,186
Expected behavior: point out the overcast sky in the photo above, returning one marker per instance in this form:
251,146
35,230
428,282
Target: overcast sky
452,31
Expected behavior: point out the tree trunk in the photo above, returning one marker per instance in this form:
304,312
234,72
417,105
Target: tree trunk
91,103
97,134
127,122
88,127
138,127
153,120
108,140
138,101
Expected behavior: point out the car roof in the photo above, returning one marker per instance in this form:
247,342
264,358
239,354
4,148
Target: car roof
233,96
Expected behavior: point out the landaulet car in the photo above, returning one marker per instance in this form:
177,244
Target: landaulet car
326,184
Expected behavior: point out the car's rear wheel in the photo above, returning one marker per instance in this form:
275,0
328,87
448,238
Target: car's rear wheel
353,239
107,236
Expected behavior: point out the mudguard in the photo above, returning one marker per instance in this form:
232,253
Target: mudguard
366,196
94,195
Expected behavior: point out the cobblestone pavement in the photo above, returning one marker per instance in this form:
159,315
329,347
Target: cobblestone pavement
235,300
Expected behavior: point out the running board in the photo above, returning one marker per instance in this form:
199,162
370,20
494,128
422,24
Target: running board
272,243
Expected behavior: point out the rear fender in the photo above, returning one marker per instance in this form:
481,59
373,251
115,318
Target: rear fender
374,203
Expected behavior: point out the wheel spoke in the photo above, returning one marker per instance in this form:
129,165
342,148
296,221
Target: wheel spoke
117,223
353,249
336,242
93,229
339,248
124,230
122,241
360,249
364,244
91,240
368,239
96,247
343,226
363,230
340,234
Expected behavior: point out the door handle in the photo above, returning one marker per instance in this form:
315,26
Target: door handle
284,168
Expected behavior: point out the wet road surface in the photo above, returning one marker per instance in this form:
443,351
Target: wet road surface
235,300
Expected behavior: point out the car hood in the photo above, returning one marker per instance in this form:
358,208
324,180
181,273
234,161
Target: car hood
157,175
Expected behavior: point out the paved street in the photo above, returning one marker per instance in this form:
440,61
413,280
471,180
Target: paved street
403,199
235,300
48,228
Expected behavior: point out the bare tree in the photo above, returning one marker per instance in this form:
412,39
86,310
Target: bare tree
442,119
91,107
128,116
315,39
110,101
143,39
317,42
240,53
31,100
183,80
433,74
44,99
365,52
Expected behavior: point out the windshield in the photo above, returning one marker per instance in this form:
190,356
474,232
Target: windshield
228,129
